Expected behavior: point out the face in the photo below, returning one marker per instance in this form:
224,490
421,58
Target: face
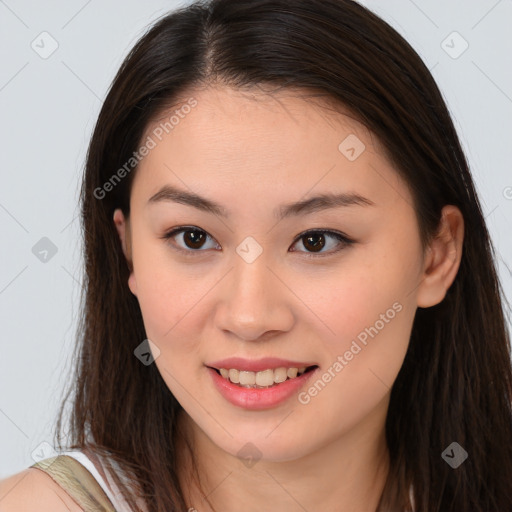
329,285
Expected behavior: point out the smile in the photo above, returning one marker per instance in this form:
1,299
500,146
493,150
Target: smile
262,379
260,384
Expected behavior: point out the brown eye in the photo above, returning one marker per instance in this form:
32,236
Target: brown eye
189,239
315,241
193,239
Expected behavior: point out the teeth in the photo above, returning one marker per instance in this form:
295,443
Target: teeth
263,379
247,378
234,376
292,372
279,375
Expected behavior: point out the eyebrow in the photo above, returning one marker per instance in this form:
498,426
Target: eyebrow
317,203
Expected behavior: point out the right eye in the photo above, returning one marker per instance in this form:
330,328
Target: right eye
192,238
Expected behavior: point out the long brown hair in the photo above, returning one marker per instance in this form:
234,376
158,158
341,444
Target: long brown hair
456,380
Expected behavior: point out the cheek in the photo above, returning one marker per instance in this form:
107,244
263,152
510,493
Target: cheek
366,307
358,295
169,307
164,291
361,361
369,309
168,313
173,299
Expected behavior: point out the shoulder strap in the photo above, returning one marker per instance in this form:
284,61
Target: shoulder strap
77,481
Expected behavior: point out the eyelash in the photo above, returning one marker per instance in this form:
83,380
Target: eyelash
343,239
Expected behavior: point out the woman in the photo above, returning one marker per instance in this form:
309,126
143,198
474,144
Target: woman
291,293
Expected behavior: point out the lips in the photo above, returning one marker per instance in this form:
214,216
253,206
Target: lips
259,384
251,398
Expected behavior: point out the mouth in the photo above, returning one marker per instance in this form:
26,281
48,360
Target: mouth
264,379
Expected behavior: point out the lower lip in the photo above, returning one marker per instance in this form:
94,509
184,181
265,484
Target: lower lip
259,398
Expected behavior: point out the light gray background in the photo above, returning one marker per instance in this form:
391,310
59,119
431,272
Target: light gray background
49,107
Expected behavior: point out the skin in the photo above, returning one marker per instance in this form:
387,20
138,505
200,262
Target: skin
252,152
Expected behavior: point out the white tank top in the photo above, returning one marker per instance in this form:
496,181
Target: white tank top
109,486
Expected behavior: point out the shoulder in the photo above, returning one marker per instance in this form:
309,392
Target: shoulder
34,490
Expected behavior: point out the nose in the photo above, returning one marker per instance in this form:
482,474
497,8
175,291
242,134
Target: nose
256,304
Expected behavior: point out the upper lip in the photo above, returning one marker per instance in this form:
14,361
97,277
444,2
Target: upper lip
257,365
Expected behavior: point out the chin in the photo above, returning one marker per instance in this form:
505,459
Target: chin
253,447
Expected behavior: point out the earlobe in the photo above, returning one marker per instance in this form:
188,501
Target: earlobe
123,229
443,259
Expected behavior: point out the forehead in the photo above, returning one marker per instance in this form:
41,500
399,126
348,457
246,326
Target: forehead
263,144
257,114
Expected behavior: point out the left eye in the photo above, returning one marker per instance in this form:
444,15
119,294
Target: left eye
315,240
193,239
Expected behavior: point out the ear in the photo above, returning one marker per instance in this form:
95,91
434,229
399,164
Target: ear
442,259
124,231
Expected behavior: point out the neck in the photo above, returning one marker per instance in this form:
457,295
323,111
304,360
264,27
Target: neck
346,474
